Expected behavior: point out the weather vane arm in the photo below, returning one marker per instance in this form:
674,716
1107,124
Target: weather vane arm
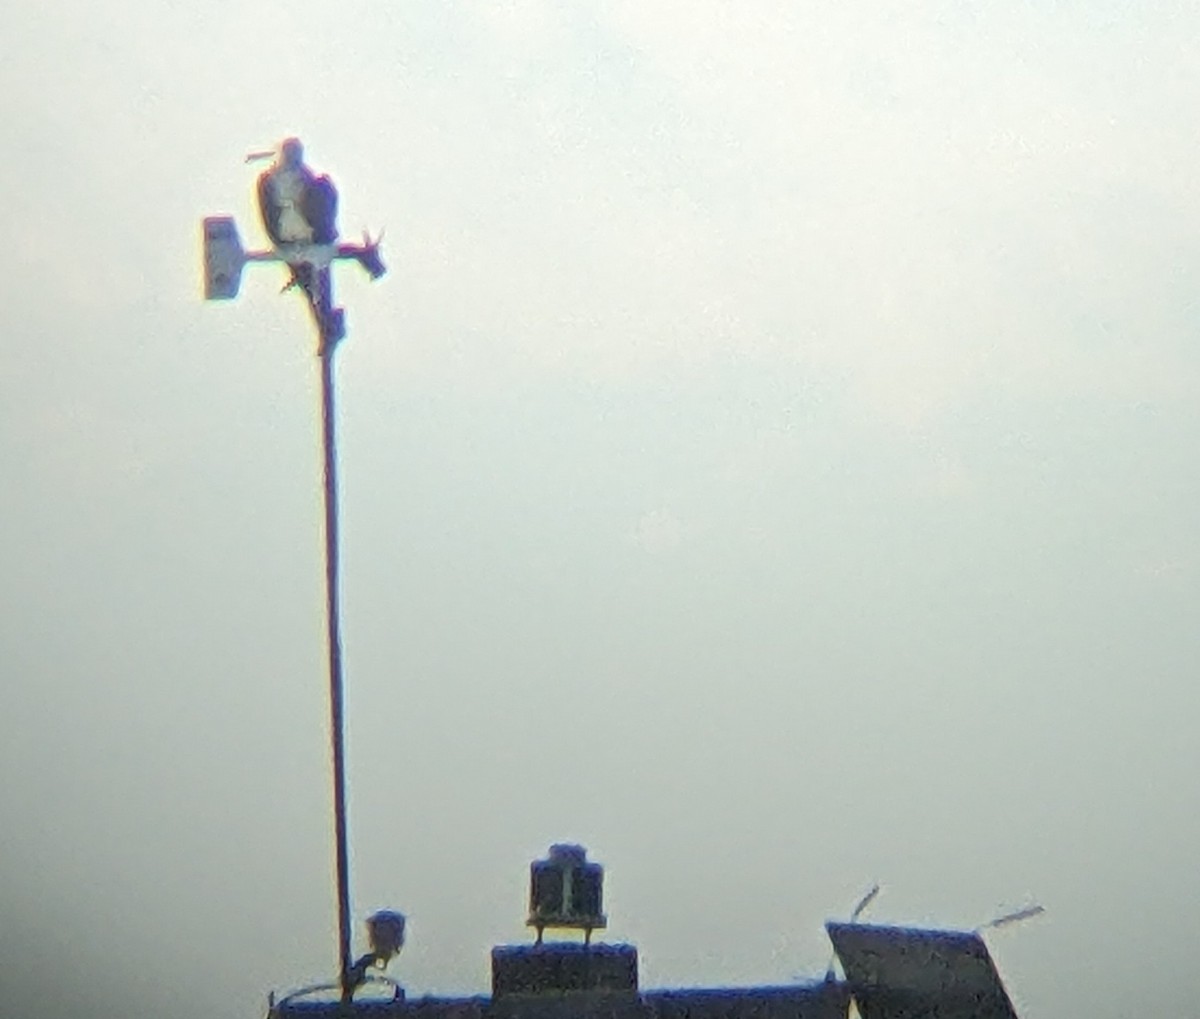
225,257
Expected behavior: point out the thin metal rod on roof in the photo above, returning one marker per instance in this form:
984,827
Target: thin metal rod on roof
1016,917
864,902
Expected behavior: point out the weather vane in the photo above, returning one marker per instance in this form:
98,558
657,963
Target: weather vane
299,212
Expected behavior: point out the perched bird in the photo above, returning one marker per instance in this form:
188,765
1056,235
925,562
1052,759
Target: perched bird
298,207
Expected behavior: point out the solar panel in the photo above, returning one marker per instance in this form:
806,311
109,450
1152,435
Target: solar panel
906,973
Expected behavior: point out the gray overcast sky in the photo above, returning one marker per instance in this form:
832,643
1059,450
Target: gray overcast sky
770,461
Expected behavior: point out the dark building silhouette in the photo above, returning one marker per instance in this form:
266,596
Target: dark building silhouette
890,973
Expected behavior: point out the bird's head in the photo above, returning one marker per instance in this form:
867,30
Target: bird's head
291,153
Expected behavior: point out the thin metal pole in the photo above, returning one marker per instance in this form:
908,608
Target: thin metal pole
336,712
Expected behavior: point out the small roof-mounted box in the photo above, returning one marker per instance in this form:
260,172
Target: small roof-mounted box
566,891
